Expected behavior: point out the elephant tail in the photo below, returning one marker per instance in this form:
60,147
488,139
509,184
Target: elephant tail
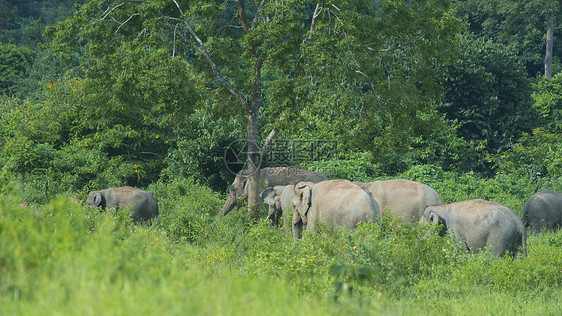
524,242
525,215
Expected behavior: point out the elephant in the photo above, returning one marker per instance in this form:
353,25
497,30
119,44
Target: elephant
338,203
402,198
480,223
543,210
143,205
269,177
280,201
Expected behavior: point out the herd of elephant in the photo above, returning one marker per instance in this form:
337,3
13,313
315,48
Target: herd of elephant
307,198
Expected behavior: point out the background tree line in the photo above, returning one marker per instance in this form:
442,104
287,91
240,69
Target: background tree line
100,93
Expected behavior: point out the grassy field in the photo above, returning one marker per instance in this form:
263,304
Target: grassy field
67,259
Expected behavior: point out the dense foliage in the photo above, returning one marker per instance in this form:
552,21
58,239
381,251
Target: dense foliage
519,25
158,94
488,93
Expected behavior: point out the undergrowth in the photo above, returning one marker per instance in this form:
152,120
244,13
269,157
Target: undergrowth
65,258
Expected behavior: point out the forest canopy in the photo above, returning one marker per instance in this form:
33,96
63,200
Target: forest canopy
133,92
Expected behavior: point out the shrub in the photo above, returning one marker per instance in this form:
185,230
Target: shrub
14,66
356,166
73,245
186,209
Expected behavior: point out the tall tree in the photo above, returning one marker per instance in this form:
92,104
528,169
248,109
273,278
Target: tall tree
549,43
374,48
488,93
518,24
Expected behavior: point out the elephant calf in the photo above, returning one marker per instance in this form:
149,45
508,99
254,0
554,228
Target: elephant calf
543,210
142,204
280,201
480,223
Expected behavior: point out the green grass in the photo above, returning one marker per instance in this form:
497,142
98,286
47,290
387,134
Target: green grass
67,259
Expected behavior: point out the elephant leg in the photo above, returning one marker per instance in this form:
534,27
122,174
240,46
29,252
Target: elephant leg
286,222
273,216
460,237
297,225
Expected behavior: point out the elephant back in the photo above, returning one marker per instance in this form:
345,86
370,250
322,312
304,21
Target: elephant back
343,203
402,198
142,204
272,176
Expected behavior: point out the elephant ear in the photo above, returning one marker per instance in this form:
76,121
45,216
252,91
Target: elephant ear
268,196
433,218
98,199
303,200
244,188
429,216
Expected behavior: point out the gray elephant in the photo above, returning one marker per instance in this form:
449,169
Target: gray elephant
480,223
402,198
280,201
269,177
543,210
143,205
338,203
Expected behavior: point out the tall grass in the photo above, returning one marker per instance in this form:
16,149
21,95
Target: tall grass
68,259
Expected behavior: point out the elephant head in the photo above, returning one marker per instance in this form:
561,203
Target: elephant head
238,191
96,199
302,200
271,197
434,215
280,201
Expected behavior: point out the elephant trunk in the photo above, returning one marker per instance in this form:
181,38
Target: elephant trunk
274,216
229,204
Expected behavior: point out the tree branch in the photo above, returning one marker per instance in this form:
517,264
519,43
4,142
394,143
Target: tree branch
269,138
121,24
110,10
200,48
255,21
397,47
177,5
316,13
242,13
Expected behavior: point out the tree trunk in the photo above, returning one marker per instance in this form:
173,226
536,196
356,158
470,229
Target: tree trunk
549,42
254,160
254,152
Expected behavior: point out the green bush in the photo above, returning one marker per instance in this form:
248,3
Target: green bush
202,141
74,170
356,166
536,156
186,209
75,245
537,274
15,63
